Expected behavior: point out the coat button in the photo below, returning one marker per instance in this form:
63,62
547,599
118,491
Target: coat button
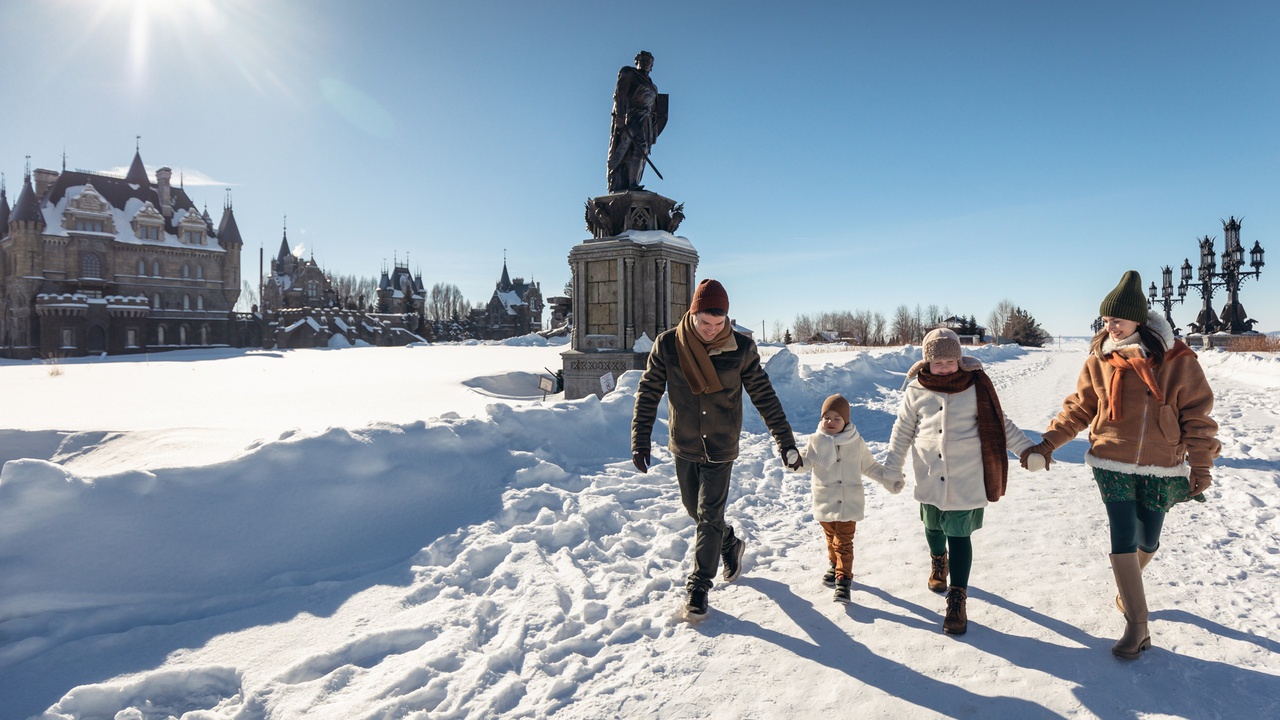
943,479
704,436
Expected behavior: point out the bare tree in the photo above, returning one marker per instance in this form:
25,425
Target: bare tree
248,298
999,319
877,329
777,331
446,303
902,332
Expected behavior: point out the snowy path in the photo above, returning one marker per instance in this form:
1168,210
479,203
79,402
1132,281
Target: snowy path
560,598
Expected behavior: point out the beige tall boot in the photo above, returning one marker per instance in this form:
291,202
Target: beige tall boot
1144,559
1129,581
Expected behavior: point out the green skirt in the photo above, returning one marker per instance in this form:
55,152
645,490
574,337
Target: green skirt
1153,492
955,523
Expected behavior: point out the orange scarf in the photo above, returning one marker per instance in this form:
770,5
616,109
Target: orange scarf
691,350
1145,370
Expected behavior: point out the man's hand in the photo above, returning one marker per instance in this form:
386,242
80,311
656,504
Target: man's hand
791,457
640,458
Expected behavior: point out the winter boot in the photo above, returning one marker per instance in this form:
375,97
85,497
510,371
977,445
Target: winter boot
733,560
957,618
1144,558
829,577
938,573
696,608
1136,638
842,591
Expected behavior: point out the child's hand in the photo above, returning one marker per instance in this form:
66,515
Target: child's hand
897,485
1035,462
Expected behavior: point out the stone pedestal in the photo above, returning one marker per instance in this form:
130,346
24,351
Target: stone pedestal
634,278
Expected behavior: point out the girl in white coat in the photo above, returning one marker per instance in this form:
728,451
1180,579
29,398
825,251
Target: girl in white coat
951,422
839,457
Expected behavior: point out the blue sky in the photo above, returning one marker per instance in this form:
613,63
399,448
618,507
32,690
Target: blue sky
831,156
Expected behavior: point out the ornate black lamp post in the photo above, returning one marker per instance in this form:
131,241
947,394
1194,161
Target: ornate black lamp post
1167,299
1233,320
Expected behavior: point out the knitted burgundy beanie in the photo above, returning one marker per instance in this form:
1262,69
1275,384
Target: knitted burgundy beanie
710,295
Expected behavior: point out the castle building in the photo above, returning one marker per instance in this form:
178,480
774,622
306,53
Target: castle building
295,283
91,263
400,292
515,309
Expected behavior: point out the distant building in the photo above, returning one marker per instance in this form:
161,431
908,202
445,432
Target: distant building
91,263
400,292
295,283
515,309
969,331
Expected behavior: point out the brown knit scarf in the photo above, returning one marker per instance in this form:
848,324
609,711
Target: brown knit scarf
694,360
995,452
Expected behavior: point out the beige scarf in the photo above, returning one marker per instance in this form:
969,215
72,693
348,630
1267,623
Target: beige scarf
694,360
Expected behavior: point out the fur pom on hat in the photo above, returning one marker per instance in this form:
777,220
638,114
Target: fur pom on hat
839,404
941,344
710,295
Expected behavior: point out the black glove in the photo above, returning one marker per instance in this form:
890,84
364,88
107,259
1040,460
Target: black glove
790,451
640,458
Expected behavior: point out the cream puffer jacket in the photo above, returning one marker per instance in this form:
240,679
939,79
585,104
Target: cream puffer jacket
941,433
838,463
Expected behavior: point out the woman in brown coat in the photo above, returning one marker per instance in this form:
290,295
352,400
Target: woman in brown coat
1146,402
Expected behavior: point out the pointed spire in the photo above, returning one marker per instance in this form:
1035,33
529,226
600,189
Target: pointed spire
4,209
27,209
228,232
284,253
137,174
504,285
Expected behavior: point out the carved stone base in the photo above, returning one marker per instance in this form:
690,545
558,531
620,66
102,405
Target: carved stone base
583,370
616,213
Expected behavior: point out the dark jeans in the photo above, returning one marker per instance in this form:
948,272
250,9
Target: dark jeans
704,490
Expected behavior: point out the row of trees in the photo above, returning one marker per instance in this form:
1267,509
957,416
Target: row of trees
908,326
443,303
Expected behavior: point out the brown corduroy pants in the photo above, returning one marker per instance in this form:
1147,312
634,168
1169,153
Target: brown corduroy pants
840,546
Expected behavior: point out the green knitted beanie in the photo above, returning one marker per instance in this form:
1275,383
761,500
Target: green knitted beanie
1126,301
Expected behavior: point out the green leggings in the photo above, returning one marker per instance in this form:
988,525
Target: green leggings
960,559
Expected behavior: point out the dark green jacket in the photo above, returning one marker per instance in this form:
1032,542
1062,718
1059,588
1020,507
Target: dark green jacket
705,427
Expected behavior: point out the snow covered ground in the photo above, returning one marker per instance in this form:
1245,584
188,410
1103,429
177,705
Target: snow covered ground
413,532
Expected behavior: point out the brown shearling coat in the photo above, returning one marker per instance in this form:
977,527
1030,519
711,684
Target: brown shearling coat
1149,436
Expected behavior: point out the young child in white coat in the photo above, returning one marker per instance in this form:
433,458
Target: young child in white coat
838,458
951,422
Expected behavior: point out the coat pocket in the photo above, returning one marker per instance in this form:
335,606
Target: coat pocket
1169,425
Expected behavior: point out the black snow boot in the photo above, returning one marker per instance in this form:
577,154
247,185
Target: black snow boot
733,560
842,591
829,577
696,608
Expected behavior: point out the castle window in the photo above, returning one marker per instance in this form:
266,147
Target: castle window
68,338
131,338
199,272
160,333
186,271
142,267
155,301
89,225
204,334
195,237
186,302
199,302
91,266
155,268
148,232
182,335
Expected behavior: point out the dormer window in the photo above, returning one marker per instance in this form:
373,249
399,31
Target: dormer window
89,225
148,223
149,232
194,237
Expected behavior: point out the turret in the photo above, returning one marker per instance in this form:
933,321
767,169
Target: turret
229,239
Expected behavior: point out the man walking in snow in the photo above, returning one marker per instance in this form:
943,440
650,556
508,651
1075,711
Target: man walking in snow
703,365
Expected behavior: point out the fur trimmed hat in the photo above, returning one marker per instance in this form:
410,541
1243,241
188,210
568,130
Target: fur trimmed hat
1127,301
941,344
710,295
839,404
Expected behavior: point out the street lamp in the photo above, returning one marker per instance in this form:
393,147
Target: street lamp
1167,299
1233,320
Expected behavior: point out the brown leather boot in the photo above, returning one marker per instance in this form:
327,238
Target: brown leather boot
957,618
938,573
1144,559
1136,638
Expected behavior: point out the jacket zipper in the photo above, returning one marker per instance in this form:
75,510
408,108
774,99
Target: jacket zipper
1142,434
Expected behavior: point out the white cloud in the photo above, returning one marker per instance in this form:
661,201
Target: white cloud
181,178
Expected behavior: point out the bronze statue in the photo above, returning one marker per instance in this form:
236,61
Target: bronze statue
639,114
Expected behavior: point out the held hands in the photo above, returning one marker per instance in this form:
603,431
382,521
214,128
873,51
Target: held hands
1037,457
898,483
1200,481
640,458
791,457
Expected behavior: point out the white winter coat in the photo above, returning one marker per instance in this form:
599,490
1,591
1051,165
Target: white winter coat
838,463
941,432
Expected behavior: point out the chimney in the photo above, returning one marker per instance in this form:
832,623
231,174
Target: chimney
44,180
162,185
